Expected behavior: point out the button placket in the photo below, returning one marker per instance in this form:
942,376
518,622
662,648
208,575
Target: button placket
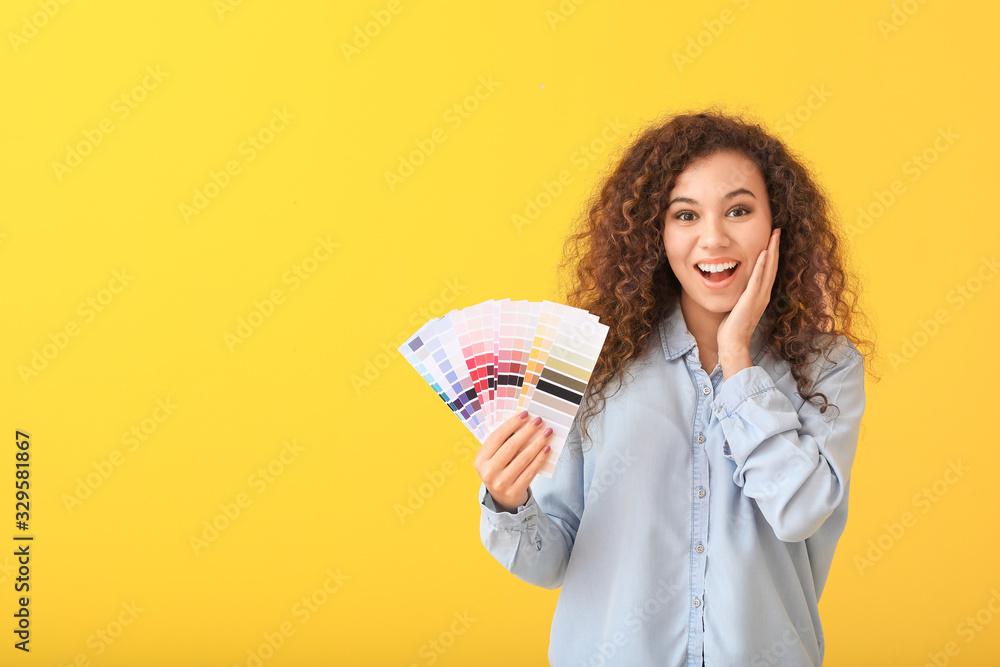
700,506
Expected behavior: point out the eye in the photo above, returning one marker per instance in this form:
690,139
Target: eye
681,216
742,209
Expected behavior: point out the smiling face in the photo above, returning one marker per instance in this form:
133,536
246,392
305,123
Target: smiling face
718,214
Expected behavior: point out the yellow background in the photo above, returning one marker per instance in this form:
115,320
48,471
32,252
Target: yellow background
867,91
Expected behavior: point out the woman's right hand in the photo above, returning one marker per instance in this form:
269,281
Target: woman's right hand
510,458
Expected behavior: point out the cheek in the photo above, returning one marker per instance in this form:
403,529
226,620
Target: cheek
759,242
675,259
675,247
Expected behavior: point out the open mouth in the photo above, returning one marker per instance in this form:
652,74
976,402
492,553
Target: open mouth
718,277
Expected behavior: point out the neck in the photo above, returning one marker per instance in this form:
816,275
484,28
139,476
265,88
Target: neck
703,325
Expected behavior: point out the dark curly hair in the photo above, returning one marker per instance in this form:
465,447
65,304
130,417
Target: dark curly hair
622,274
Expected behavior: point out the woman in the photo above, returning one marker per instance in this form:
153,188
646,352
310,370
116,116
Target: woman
699,525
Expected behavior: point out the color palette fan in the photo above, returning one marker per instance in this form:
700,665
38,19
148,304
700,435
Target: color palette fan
492,360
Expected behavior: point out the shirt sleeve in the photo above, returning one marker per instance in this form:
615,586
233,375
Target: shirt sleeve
534,543
796,464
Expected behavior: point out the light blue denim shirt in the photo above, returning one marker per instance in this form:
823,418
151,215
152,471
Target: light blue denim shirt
701,523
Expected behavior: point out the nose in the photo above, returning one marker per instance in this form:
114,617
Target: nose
713,232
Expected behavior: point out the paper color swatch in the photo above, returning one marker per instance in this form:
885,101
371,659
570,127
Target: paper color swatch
492,360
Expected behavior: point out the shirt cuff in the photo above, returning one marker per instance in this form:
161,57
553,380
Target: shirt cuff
508,520
741,387
751,408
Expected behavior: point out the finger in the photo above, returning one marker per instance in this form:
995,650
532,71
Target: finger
528,453
515,443
501,433
541,456
772,256
754,292
758,270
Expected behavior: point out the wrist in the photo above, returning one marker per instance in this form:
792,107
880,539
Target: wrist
502,507
733,361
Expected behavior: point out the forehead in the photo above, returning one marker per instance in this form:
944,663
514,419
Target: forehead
719,173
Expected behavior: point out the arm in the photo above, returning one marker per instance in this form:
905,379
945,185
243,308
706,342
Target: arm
795,464
534,543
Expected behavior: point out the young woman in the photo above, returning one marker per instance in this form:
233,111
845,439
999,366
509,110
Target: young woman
699,524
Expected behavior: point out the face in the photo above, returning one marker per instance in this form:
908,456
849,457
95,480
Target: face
718,215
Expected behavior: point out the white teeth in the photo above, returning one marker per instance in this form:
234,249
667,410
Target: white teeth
715,268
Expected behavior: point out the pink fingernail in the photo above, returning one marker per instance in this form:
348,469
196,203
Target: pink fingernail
523,415
546,433
537,421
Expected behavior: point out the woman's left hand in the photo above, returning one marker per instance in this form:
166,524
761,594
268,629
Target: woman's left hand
738,325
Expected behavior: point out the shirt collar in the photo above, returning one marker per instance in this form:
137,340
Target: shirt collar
678,340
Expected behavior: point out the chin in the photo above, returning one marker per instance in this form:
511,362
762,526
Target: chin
719,305
720,309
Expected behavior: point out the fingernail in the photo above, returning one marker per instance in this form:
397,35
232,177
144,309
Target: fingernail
537,421
523,415
547,448
546,433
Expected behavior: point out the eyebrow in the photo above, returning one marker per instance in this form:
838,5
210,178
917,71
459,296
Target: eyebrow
688,200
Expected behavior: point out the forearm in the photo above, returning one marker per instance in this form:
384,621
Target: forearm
529,543
795,464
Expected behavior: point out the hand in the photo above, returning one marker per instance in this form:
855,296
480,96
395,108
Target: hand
738,325
507,462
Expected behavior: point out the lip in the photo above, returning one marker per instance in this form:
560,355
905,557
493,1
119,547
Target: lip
723,283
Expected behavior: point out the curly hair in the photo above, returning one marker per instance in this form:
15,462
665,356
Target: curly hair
622,274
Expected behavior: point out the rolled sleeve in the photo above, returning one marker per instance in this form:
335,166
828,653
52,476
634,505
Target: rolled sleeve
796,464
534,543
505,520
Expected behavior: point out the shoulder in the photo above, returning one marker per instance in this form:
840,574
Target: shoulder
838,352
837,361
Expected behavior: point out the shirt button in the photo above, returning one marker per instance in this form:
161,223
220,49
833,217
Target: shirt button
701,438
530,516
701,492
706,390
700,548
697,602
